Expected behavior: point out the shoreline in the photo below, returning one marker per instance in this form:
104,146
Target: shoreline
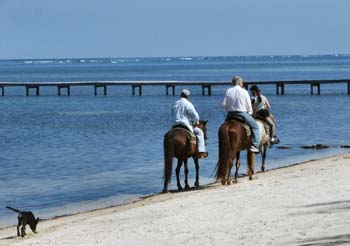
112,201
140,199
67,224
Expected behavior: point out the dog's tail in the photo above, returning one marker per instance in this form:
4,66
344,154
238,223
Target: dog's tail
13,209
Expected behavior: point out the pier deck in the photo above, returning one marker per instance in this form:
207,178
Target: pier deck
136,86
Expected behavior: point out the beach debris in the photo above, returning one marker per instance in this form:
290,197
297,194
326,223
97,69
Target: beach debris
315,146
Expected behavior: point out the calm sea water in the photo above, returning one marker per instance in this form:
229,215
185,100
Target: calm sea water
66,154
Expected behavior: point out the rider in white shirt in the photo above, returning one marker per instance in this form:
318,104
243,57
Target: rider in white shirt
237,102
186,114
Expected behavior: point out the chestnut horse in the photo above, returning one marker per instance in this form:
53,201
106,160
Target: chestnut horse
177,144
233,139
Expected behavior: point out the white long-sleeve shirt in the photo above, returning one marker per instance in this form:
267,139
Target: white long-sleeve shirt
237,99
185,113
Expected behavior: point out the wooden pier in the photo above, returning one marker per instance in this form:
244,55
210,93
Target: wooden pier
136,86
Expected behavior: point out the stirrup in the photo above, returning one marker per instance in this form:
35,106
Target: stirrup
275,140
254,149
202,155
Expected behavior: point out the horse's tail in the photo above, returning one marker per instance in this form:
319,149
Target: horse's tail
13,209
224,151
168,159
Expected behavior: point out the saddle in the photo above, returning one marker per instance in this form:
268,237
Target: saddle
191,137
265,124
241,120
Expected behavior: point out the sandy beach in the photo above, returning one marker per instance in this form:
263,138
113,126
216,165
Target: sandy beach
303,204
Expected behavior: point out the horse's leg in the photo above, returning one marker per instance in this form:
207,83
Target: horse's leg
168,161
196,164
187,187
229,167
251,163
228,172
263,155
238,164
165,186
179,164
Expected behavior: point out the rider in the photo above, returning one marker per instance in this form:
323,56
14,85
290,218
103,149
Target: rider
237,102
261,108
187,115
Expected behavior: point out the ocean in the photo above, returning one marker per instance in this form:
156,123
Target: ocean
62,155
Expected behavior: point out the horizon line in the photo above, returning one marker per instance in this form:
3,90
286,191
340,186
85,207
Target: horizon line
175,57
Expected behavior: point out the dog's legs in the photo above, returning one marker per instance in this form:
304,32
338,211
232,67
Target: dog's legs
23,230
18,225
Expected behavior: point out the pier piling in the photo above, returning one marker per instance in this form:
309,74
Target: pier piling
60,87
279,87
104,86
36,87
208,87
312,85
134,86
167,86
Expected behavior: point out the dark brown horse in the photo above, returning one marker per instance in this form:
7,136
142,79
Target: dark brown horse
177,143
233,139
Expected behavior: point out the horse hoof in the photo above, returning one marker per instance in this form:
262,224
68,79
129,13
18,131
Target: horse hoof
187,187
196,184
179,188
165,191
252,177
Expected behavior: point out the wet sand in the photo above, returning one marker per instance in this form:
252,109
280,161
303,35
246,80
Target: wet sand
303,204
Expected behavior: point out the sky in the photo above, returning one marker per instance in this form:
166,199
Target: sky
167,28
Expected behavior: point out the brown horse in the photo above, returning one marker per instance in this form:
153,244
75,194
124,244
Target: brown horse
233,139
177,143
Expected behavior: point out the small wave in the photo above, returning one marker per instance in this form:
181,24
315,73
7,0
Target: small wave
186,58
95,61
39,62
117,61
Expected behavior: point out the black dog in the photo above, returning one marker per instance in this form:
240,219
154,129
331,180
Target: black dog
25,218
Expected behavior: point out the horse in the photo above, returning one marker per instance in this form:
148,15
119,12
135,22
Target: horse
177,143
265,140
264,143
232,140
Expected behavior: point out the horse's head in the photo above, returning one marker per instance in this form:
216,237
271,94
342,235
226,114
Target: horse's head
203,125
